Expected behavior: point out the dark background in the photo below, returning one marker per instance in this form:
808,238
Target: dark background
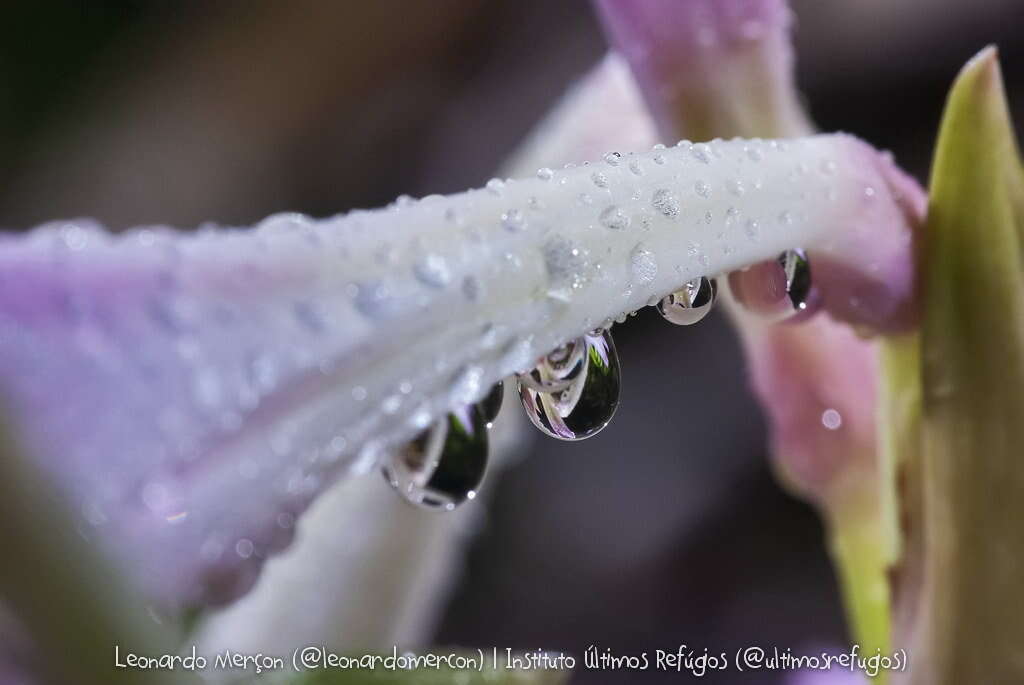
666,528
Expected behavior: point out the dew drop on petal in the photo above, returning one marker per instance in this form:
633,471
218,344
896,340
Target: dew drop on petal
612,158
432,270
643,264
614,218
513,221
665,202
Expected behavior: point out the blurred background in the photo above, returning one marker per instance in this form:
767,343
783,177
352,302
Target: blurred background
667,527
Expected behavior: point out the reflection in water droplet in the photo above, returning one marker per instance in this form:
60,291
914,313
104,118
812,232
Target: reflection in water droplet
798,278
781,289
443,466
490,405
691,303
573,392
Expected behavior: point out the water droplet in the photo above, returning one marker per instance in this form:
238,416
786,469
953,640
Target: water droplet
490,405
613,217
752,229
701,152
702,189
467,385
781,289
635,167
798,278
513,221
735,187
573,392
374,300
612,158
599,179
643,264
665,201
471,288
545,174
443,466
432,270
244,548
495,186
691,303
754,154
831,419
566,264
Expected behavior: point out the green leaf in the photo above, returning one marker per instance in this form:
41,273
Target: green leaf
966,625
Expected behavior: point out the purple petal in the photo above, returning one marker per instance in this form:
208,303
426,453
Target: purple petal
710,67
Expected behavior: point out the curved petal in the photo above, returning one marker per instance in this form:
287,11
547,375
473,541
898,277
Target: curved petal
195,392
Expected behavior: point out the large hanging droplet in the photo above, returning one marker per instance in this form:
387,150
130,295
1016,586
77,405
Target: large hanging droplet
691,303
573,392
781,289
445,464
490,405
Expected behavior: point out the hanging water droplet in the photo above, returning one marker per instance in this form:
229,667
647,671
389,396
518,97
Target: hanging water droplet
444,465
691,303
781,289
798,278
573,392
490,405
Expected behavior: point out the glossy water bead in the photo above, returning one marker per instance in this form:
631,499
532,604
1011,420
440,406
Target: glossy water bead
573,392
444,465
691,303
